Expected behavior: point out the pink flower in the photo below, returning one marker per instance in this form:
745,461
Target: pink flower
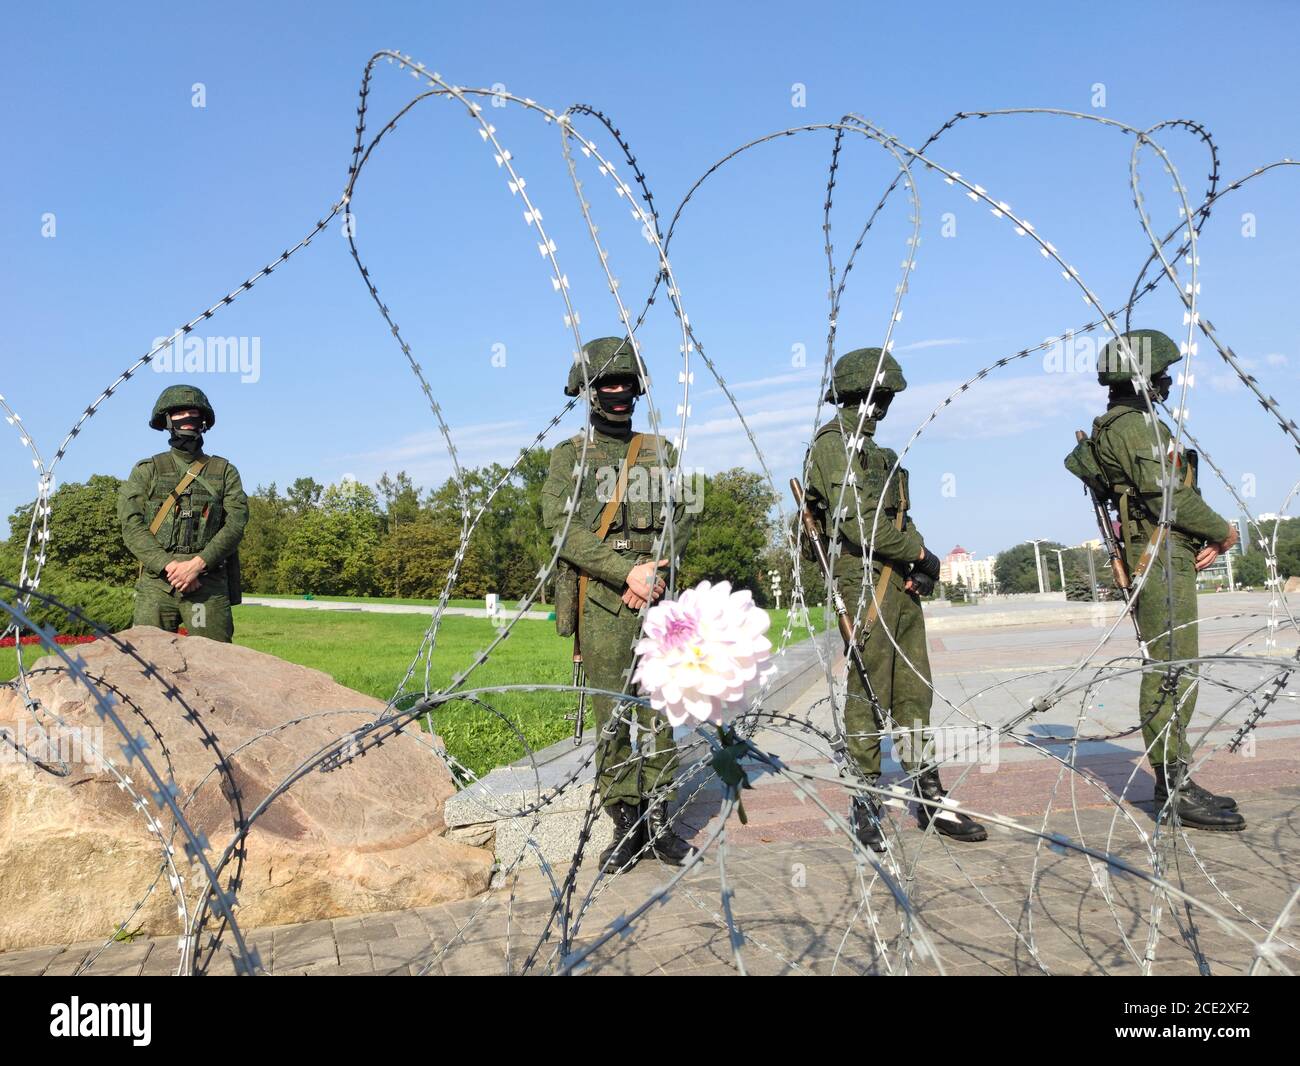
703,652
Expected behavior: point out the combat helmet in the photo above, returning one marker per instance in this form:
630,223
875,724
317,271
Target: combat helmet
854,371
1153,351
177,397
606,357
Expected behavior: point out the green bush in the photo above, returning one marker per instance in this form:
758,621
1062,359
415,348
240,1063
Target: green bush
109,605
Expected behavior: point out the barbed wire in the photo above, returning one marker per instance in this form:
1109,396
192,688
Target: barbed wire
884,889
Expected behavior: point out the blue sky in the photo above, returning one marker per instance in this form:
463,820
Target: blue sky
161,208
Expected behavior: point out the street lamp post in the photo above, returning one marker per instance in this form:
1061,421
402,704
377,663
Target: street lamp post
775,577
1060,562
1038,564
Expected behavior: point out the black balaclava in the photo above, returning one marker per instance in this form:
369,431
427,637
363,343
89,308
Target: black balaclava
612,414
880,401
1161,385
186,434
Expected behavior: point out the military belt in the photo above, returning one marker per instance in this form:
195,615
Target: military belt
632,544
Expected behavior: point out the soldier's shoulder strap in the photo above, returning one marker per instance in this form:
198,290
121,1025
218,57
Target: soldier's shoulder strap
634,447
606,520
215,481
163,461
652,442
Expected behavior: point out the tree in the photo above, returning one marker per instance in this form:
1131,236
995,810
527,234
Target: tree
1077,585
401,498
1250,569
304,495
1286,534
779,558
85,537
269,518
509,535
732,534
1014,568
330,550
415,558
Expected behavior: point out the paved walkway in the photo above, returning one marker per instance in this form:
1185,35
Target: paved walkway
1011,905
798,905
374,607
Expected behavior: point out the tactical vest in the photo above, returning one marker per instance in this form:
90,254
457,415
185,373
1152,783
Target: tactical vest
199,511
640,518
1136,518
871,464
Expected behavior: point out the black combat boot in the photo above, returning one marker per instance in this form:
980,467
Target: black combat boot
1201,795
949,822
1196,808
629,837
865,818
667,846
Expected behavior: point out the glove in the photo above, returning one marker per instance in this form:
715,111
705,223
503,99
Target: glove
927,565
922,583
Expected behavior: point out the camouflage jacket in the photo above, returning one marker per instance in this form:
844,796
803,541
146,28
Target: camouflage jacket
638,521
1129,450
208,519
831,474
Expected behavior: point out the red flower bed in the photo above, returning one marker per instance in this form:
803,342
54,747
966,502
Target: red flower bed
8,642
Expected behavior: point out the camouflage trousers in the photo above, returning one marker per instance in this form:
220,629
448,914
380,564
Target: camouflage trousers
1166,704
626,773
903,691
204,611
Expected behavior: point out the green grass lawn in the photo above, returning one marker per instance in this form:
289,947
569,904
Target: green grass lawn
508,605
369,652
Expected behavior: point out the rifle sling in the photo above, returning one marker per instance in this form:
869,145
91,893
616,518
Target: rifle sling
606,520
882,585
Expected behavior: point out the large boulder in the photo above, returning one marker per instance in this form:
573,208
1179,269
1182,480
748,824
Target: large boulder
76,856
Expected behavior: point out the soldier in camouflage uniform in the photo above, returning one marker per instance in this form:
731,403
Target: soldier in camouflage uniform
903,569
189,572
1129,447
620,576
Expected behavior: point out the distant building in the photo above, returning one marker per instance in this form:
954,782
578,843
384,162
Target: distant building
960,565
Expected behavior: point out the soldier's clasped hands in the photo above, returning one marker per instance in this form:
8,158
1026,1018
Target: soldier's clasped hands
184,576
643,584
